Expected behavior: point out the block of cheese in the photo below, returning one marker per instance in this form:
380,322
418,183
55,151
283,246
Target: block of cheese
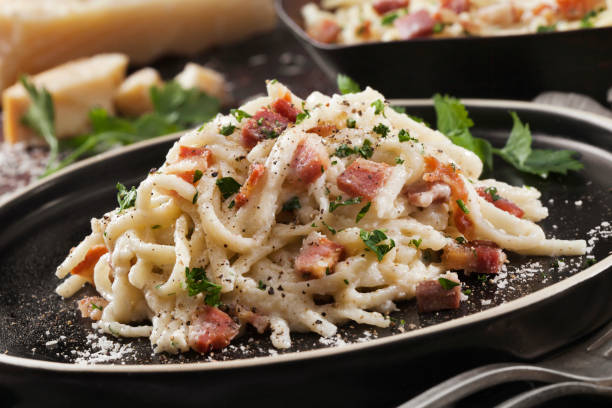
76,87
204,79
38,34
133,98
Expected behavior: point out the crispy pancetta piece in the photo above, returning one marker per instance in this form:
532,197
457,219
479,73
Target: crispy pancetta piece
318,256
257,172
363,178
431,296
211,329
475,256
92,307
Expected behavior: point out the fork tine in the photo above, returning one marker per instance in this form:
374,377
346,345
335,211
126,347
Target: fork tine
539,395
471,381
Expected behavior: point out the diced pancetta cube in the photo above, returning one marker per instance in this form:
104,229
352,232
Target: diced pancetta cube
431,296
575,9
211,329
85,268
92,307
475,256
265,124
186,152
501,203
309,162
326,31
425,194
385,6
415,25
363,178
286,109
323,130
256,173
458,6
498,14
318,256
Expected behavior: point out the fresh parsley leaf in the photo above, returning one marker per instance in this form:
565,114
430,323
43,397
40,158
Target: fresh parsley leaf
364,210
346,85
195,198
586,22
460,240
463,207
379,107
227,130
338,203
399,160
351,123
198,283
227,186
453,120
184,107
366,150
292,204
438,27
388,19
448,284
197,175
416,242
373,240
467,292
40,117
399,109
518,152
261,285
94,306
126,198
156,226
231,204
381,129
239,114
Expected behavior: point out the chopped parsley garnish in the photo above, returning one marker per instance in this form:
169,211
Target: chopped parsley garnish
591,261
228,186
346,282
231,204
379,107
381,129
547,29
227,130
364,210
463,207
586,22
518,152
195,197
399,109
388,19
438,27
301,116
344,151
338,203
327,271
331,229
448,284
260,121
334,162
351,123
373,240
94,306
404,136
366,151
492,191
416,242
346,85
460,240
467,292
197,175
126,198
483,277
156,226
292,204
261,285
273,81
198,283
399,160
239,114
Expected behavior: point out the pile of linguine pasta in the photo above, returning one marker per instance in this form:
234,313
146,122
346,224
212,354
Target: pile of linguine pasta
298,215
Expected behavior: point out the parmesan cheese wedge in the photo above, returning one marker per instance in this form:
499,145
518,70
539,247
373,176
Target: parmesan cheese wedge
75,87
133,98
204,79
38,34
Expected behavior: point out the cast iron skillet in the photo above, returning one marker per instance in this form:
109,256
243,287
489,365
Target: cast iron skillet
517,66
541,312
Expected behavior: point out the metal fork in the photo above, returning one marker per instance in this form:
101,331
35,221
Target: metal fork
585,368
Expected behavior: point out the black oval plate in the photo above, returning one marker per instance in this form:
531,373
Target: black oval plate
536,313
515,66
